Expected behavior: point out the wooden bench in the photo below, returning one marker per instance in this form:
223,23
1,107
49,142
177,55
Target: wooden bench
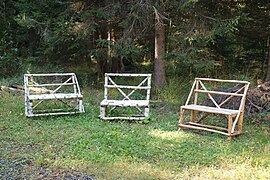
126,99
234,116
55,90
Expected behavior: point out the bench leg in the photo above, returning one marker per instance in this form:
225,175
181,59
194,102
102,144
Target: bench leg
240,122
181,119
146,111
193,116
230,123
28,110
102,112
81,108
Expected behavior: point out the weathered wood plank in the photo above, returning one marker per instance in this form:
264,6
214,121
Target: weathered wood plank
55,84
210,109
124,118
220,93
54,96
222,80
208,129
124,103
208,126
52,74
127,87
126,74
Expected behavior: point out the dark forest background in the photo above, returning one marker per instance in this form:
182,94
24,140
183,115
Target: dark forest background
169,38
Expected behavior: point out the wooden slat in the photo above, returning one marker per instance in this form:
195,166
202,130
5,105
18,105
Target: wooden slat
127,87
54,96
221,80
190,93
217,92
53,74
210,109
126,74
207,129
208,126
124,118
56,84
241,108
133,103
55,113
54,110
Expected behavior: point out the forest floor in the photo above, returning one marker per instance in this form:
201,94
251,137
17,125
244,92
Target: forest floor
83,147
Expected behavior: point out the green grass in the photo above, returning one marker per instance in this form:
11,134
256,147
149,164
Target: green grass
80,146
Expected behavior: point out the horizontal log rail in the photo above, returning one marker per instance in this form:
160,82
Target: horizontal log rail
127,87
53,74
56,84
218,92
221,80
127,75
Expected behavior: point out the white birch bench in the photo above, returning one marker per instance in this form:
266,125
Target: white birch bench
233,116
126,98
60,92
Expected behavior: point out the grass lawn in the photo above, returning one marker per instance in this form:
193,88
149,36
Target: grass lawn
83,147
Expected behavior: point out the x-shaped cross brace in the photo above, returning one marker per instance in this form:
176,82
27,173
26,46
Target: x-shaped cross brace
52,92
124,94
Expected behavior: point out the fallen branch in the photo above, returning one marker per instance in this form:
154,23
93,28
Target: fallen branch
11,90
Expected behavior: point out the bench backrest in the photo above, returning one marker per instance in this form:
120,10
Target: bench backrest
52,94
143,83
217,97
51,83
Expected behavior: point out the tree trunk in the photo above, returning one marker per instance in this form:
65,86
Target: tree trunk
268,60
159,65
102,57
115,61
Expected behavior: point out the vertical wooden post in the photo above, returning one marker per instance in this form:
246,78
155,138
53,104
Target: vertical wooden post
74,84
230,122
181,119
148,87
241,117
242,106
240,126
193,112
105,87
28,109
147,109
77,91
103,108
196,94
102,112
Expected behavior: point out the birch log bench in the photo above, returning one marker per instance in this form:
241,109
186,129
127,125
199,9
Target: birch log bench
233,115
126,96
52,94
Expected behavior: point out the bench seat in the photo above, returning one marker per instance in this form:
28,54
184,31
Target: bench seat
55,96
124,103
210,109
